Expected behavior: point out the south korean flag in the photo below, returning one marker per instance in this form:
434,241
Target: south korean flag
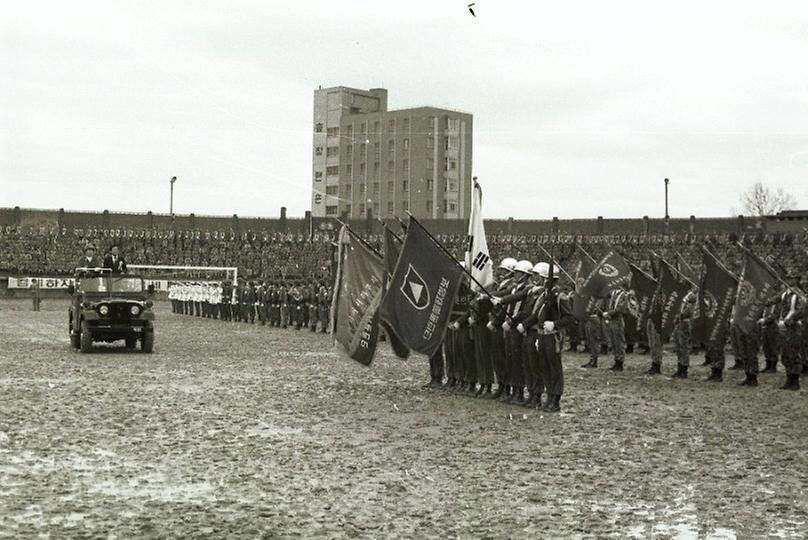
478,259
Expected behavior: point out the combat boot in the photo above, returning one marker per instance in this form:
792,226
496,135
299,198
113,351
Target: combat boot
593,363
792,383
706,362
771,367
495,395
655,370
750,380
506,394
716,375
553,404
618,366
519,396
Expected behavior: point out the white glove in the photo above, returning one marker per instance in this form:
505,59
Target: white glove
496,300
521,328
761,322
491,326
506,326
549,326
605,314
781,324
472,320
455,325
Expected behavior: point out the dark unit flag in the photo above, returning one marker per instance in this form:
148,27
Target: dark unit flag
757,286
359,288
716,297
421,293
644,287
392,249
667,302
609,274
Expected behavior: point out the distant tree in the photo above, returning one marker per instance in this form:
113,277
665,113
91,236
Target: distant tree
760,200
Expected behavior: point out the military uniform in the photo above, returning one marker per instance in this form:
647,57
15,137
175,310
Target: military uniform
682,333
512,304
615,325
227,294
770,336
594,330
483,353
324,306
499,359
283,306
790,318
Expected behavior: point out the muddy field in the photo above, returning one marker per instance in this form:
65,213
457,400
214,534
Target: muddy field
237,430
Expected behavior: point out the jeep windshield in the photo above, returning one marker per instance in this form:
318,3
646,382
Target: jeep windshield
112,284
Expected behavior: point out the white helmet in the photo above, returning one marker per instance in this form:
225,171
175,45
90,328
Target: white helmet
508,263
524,266
543,269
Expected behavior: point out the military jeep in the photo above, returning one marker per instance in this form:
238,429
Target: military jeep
108,307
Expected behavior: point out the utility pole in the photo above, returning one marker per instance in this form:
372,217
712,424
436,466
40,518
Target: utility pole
171,200
667,216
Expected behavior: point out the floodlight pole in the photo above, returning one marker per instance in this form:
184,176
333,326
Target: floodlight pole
667,216
171,200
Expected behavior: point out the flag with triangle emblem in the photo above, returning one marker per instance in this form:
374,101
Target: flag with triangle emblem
422,291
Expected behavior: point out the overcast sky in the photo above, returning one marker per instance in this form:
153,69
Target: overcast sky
580,108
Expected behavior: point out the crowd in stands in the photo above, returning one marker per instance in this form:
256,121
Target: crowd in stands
274,255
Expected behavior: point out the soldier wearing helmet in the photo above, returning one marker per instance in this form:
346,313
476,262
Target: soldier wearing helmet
510,308
550,315
503,286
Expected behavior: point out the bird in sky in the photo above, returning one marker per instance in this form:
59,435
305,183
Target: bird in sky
471,10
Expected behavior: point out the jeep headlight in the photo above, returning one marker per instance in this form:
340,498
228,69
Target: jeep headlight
103,310
134,310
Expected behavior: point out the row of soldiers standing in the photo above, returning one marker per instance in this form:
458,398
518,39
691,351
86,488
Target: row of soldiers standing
511,335
295,304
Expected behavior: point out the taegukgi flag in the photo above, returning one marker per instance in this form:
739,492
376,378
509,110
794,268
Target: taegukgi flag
358,292
422,292
478,259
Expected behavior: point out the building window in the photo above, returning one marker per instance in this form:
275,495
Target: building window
391,146
406,144
332,151
318,151
391,165
452,207
430,164
361,209
405,205
452,164
332,171
430,142
405,165
405,186
390,208
331,190
362,170
349,170
361,189
376,188
391,125
390,188
363,127
429,206
376,168
377,150
318,127
377,126
452,186
429,184
376,208
405,124
318,176
331,210
348,209
348,190
363,151
332,132
349,150
349,131
451,143
445,204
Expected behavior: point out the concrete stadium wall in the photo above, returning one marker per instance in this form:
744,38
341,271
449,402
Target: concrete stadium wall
34,217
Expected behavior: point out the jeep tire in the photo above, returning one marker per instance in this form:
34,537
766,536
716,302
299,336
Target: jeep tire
86,338
147,341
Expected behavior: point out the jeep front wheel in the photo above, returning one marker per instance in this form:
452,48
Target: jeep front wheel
86,338
147,341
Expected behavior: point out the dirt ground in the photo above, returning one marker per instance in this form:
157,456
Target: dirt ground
242,431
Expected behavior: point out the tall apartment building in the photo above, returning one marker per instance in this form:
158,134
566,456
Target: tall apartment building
366,158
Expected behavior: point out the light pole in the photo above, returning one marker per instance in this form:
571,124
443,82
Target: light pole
171,200
667,216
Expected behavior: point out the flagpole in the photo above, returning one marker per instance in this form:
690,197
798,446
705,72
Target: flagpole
719,262
682,259
670,266
770,269
397,237
555,262
451,258
371,248
585,253
641,271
